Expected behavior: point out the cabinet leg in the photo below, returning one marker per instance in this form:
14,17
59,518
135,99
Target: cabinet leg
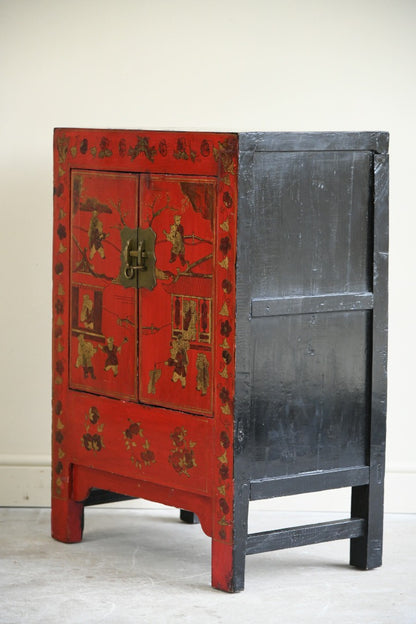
222,572
229,560
367,502
67,520
188,517
227,567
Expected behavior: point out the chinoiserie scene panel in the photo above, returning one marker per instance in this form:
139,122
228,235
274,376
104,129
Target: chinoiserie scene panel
103,341
175,327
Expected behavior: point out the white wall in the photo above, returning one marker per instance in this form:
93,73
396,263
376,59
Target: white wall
203,65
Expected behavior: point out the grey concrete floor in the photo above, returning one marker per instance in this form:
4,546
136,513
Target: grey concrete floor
145,566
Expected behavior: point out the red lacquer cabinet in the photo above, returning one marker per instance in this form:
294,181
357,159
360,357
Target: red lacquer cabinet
143,329
203,360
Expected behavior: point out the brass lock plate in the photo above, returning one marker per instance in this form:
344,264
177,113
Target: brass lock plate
138,258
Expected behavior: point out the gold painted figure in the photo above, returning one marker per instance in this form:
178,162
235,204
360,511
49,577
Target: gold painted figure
179,359
176,236
202,373
87,312
86,352
96,236
111,350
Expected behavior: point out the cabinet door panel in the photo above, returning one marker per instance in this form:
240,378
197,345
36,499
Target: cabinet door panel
103,342
175,328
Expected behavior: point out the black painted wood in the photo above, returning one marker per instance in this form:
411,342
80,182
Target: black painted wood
303,535
242,419
367,501
241,508
309,482
311,330
311,225
376,142
311,305
310,392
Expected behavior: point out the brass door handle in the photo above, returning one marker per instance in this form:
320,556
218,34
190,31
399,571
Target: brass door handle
130,253
137,258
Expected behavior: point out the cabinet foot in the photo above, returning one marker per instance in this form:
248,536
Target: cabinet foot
227,567
67,520
367,503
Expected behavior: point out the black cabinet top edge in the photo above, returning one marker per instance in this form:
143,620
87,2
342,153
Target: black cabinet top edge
377,142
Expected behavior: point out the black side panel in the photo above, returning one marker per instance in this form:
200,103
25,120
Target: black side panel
311,223
304,306
311,339
310,398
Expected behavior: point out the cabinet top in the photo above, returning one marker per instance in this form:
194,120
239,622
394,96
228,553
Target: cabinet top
374,141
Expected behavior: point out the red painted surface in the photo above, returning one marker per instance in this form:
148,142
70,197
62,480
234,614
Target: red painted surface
143,380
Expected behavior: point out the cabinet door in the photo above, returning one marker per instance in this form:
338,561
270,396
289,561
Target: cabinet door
175,318
173,342
103,341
